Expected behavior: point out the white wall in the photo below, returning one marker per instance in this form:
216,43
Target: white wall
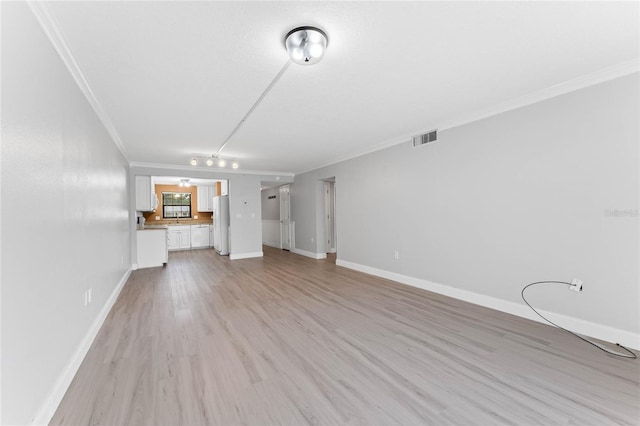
64,217
270,207
271,233
307,207
271,217
498,203
245,211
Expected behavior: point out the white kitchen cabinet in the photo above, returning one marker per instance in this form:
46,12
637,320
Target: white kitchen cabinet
179,238
173,239
185,238
146,199
205,197
152,247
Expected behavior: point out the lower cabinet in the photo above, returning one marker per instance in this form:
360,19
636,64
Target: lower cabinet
179,238
152,247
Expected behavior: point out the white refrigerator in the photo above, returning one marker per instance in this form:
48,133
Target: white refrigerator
221,224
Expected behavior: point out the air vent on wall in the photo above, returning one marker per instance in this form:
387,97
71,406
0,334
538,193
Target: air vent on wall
425,138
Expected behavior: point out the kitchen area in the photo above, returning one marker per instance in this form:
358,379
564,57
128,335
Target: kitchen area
176,213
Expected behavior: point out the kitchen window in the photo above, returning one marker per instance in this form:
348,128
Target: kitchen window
176,205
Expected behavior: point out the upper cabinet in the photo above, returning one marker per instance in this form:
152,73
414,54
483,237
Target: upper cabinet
205,198
146,199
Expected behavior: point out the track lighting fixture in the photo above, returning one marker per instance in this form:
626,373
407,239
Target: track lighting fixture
213,160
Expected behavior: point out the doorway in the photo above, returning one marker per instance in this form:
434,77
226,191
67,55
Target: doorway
330,217
285,217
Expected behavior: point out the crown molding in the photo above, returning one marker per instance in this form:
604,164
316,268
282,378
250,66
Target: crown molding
47,21
208,169
600,76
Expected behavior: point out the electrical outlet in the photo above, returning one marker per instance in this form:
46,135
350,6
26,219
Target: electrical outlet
195,216
89,295
396,254
157,217
576,284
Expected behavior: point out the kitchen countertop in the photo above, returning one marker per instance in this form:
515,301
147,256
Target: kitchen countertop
152,227
181,223
172,224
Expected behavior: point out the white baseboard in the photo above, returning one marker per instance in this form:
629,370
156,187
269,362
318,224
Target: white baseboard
309,254
50,405
274,245
587,328
236,256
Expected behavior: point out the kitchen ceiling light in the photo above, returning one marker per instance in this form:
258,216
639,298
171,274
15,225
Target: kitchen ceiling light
306,45
211,160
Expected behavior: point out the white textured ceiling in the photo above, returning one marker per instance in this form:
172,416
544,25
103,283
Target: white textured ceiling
175,78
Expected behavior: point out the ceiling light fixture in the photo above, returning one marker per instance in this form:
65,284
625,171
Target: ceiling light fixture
306,45
210,160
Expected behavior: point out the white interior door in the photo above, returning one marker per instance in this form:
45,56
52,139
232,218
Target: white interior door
285,217
329,217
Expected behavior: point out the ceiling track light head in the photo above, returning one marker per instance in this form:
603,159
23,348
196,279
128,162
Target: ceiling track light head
306,45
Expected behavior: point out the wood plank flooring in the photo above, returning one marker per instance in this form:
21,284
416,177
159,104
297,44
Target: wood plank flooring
287,340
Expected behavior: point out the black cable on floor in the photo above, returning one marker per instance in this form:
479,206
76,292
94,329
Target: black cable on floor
631,355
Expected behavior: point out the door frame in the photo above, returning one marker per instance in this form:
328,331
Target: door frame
329,217
285,217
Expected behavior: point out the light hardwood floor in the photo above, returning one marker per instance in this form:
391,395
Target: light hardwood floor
292,341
